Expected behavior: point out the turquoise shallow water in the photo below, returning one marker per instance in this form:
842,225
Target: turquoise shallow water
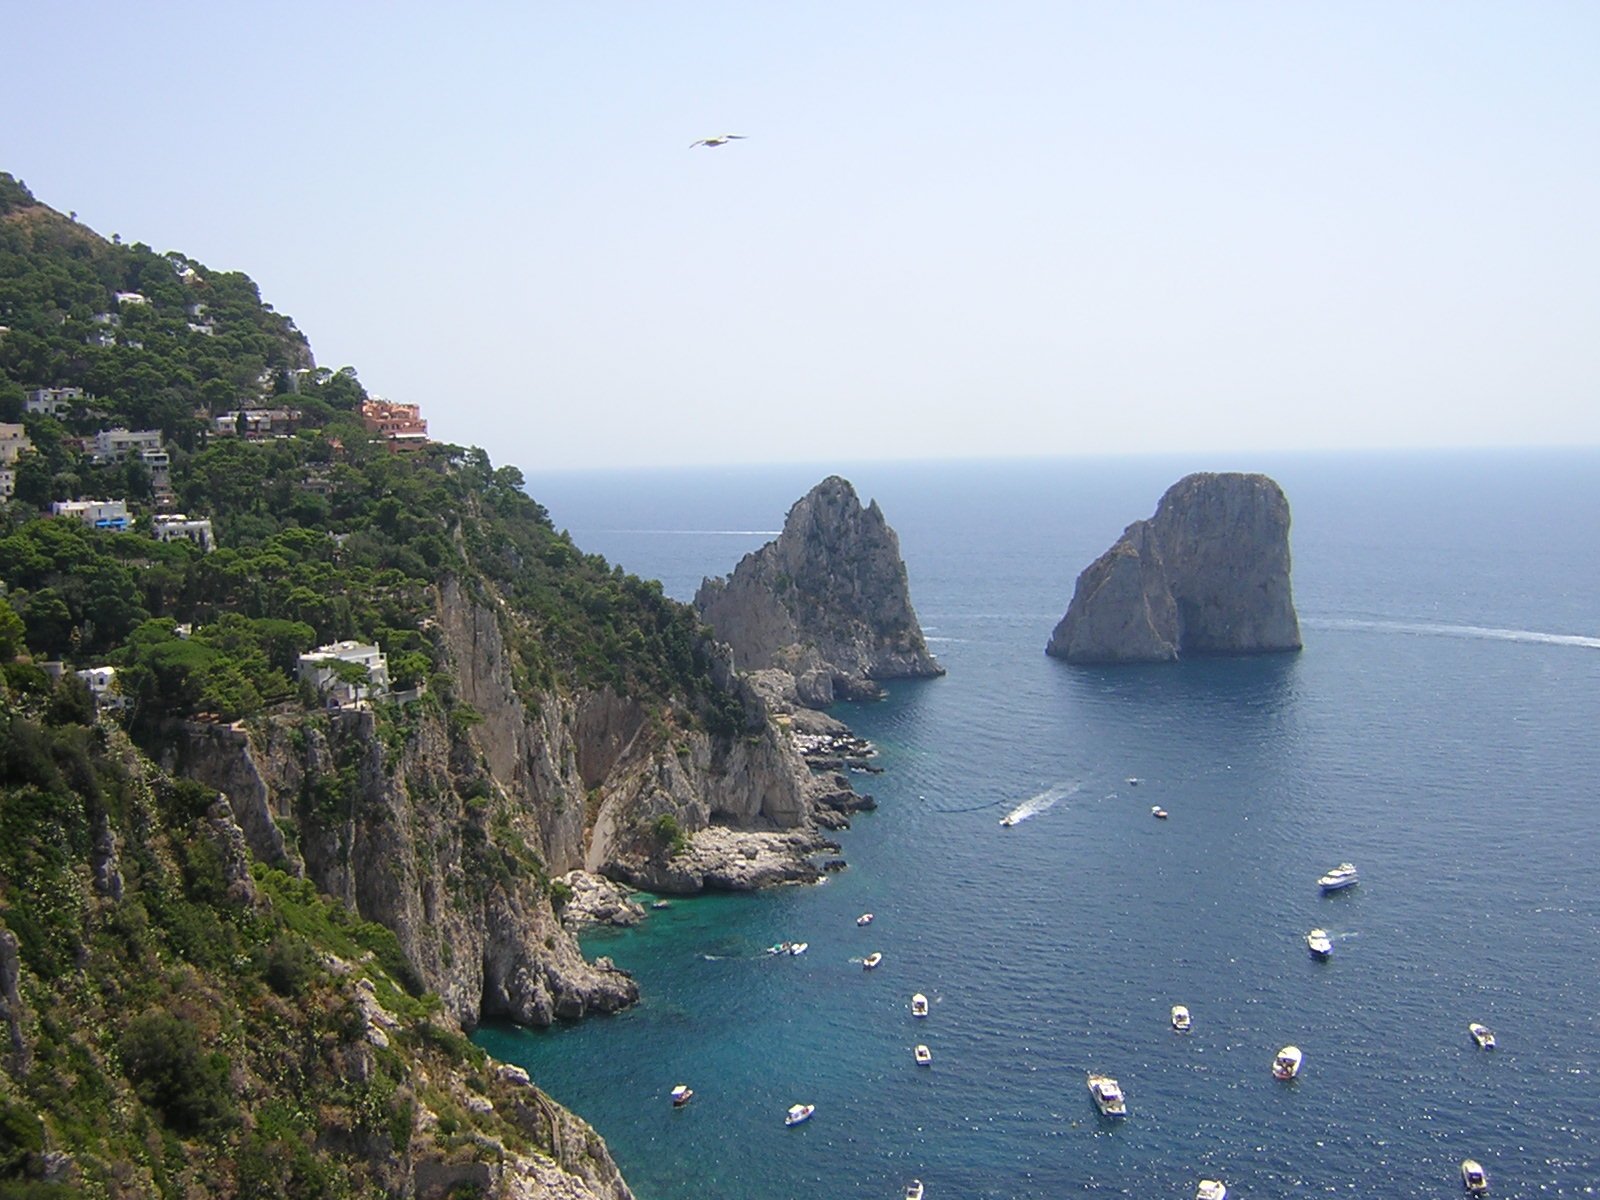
1438,730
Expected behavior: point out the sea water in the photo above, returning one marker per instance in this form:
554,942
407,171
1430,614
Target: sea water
1441,729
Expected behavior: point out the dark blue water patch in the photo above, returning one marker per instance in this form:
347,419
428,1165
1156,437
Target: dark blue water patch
1458,772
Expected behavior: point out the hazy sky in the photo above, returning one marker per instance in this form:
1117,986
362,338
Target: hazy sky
954,229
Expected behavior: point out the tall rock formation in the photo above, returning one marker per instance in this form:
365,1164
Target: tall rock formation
827,602
1207,574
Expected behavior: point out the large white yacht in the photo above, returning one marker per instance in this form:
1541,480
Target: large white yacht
1107,1095
1341,877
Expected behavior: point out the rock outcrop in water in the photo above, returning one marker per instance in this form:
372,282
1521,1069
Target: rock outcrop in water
827,603
1207,574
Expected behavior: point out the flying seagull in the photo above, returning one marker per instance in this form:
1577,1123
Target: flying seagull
722,139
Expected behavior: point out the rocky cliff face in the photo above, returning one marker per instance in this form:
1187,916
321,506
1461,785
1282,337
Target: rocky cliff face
827,602
1207,574
447,831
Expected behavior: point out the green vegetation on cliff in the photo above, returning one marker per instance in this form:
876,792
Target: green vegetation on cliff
177,1018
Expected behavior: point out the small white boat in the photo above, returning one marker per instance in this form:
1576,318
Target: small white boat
1180,1018
799,947
914,1190
864,919
681,1095
1107,1095
661,904
1211,1189
1319,943
1341,877
919,1005
1483,1035
871,960
1473,1178
1009,820
1133,781
1287,1064
1158,812
798,1113
923,1055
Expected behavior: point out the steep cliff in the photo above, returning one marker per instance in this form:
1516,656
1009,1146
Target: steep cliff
447,831
177,1019
1207,574
827,602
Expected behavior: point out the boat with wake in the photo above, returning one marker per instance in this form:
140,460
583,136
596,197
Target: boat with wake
872,960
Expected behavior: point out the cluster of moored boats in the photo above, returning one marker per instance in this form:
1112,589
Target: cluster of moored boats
798,1114
1109,1099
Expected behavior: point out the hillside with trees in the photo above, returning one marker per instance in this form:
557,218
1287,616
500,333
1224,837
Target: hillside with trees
184,1012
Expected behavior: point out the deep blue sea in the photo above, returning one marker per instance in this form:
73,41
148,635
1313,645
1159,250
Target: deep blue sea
1441,729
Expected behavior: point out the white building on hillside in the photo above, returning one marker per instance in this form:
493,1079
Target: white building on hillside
175,527
52,402
100,514
114,445
102,685
319,669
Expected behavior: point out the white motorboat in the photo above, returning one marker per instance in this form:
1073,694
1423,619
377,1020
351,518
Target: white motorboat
1319,943
864,919
1473,1178
1133,781
1107,1095
1287,1064
919,1005
1180,1018
799,947
871,960
1158,812
681,1095
1483,1035
1341,877
1211,1189
798,1113
1009,820
914,1190
923,1055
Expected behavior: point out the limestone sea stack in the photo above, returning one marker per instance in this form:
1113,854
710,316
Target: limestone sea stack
1207,574
827,602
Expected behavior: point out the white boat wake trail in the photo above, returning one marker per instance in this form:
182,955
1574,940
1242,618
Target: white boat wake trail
1482,632
1043,802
